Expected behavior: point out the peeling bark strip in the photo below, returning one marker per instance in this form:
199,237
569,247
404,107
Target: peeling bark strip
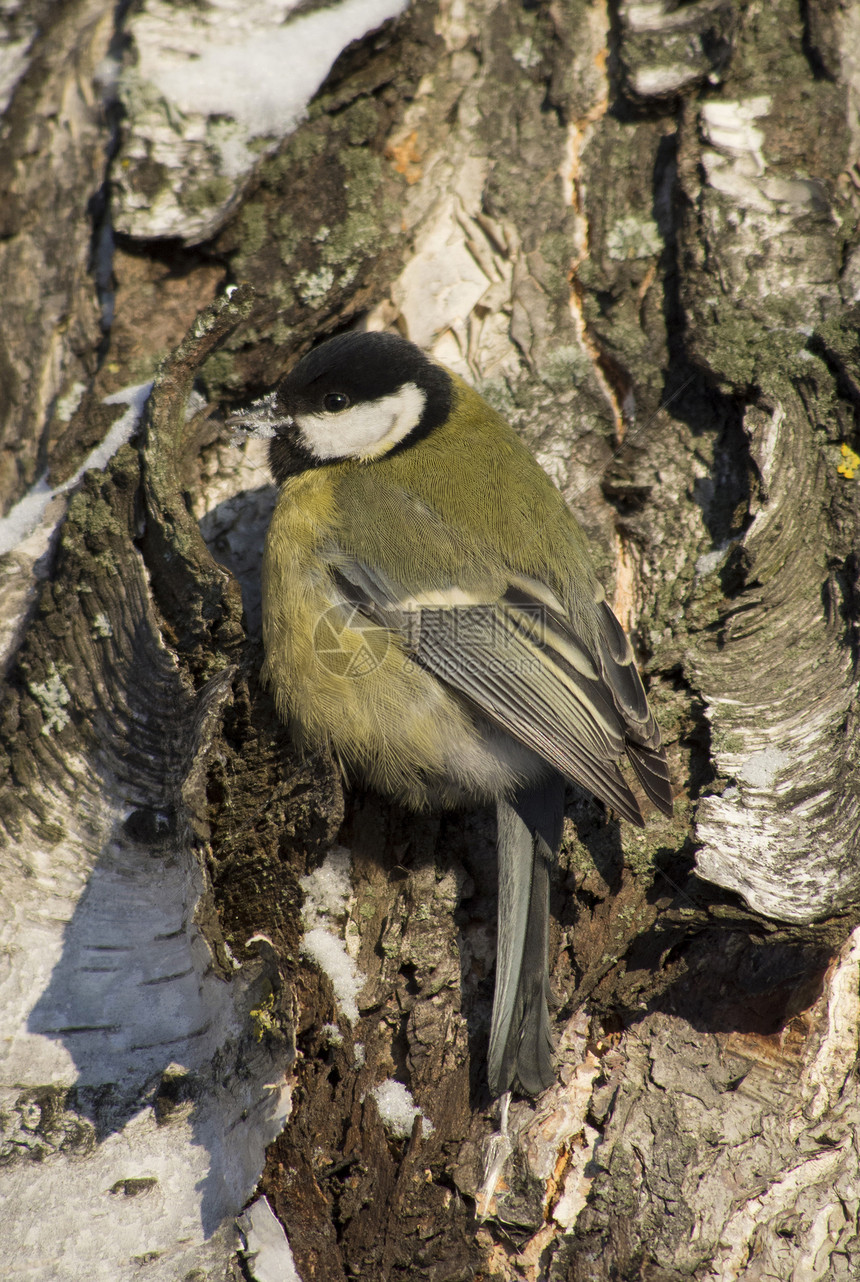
50,333
767,255
634,226
786,830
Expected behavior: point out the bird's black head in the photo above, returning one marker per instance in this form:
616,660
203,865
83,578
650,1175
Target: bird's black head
356,396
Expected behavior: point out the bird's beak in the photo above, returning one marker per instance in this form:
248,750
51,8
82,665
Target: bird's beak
261,419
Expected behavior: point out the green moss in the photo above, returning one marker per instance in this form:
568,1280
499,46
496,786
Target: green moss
497,393
134,1186
280,332
282,292
303,146
254,228
106,561
101,626
362,122
752,350
286,233
220,371
312,287
632,237
52,696
556,247
344,248
363,174
842,339
212,193
727,741
575,856
565,366
97,518
363,228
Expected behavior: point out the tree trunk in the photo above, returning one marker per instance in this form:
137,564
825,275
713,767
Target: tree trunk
635,229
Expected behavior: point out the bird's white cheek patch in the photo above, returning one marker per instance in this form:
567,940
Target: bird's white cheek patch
364,431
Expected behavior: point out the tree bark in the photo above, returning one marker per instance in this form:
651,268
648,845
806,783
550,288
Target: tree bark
635,228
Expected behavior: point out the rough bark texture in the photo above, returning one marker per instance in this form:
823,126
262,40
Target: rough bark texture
634,227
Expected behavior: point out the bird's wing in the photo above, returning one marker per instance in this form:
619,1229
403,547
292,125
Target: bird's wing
518,659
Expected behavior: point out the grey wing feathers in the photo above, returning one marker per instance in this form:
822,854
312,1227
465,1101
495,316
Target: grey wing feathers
644,751
580,707
483,655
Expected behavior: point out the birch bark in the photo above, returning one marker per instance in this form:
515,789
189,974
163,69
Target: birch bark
634,227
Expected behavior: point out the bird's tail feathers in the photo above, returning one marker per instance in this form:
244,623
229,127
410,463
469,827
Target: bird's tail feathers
529,834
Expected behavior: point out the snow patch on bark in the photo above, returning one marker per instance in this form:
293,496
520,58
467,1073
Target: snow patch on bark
27,513
329,894
27,530
398,1109
212,90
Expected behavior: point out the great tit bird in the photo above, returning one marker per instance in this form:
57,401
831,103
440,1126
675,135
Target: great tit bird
431,615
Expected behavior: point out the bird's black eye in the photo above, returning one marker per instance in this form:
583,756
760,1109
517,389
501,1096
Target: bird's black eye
334,402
